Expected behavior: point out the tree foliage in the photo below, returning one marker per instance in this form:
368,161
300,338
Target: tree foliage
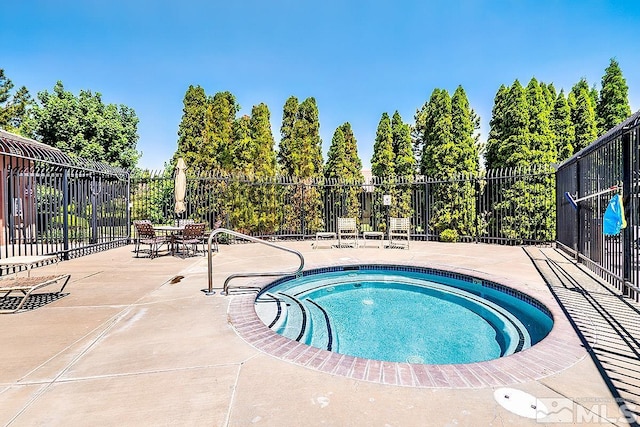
15,108
83,125
613,104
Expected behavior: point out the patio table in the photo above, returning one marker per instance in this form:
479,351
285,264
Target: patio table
169,231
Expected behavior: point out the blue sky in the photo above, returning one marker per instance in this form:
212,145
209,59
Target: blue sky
357,58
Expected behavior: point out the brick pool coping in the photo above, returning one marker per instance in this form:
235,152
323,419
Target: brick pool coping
558,351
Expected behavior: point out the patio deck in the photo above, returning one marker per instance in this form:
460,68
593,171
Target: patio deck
129,346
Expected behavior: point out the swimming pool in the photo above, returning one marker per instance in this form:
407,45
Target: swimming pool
403,314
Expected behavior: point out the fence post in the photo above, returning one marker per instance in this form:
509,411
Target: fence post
627,191
65,212
576,226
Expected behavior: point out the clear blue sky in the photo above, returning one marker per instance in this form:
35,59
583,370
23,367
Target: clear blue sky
357,58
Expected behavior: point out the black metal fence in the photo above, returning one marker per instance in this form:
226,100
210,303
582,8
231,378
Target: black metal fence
506,206
612,161
56,204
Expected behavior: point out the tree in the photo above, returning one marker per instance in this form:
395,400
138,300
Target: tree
219,151
300,156
562,127
351,152
15,108
404,164
288,149
515,150
613,104
583,115
541,140
191,129
86,127
262,154
497,130
382,160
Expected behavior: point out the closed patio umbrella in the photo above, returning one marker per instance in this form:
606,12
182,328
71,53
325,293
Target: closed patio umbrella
180,186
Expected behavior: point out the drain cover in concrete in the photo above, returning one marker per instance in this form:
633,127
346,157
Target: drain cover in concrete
520,403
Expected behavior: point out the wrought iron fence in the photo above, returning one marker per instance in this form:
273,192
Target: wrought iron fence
56,204
506,206
610,161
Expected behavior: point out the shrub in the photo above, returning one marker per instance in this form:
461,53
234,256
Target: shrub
449,235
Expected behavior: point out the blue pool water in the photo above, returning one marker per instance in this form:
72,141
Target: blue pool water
403,314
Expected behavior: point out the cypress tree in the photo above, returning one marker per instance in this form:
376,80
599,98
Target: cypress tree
404,164
243,144
262,196
497,129
336,166
436,159
300,156
288,149
351,152
515,151
541,141
465,124
562,127
613,103
262,152
220,119
382,160
583,115
191,127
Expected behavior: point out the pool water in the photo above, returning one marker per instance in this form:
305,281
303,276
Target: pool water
398,315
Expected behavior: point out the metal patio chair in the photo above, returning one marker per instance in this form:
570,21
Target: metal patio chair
148,236
192,235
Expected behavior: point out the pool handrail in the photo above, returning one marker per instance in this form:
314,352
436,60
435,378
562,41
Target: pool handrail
225,287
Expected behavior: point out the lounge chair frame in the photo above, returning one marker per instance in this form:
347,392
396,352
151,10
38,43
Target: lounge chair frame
347,227
399,232
28,285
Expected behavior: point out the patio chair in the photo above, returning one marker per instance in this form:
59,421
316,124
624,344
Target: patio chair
399,232
191,236
147,236
347,227
26,286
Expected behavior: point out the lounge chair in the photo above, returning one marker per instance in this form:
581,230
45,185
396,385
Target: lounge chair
399,232
27,285
347,227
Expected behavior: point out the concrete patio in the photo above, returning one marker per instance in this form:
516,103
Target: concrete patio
135,342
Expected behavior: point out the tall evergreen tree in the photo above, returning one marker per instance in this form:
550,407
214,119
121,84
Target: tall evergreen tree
219,145
404,160
351,152
288,148
541,141
437,160
613,104
464,126
382,164
300,156
262,150
336,166
514,150
497,129
192,127
404,164
583,115
562,127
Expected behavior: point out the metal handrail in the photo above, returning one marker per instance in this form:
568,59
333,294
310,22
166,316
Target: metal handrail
225,287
